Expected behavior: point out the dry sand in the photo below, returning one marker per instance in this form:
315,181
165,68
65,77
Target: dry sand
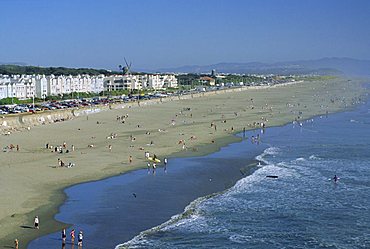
31,182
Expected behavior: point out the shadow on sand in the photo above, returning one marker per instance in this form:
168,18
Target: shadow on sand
28,227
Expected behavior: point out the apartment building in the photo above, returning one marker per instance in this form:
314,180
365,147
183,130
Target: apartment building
140,81
17,86
28,86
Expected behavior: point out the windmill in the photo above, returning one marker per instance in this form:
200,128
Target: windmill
125,69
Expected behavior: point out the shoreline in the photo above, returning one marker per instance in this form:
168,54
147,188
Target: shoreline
164,195
204,148
95,237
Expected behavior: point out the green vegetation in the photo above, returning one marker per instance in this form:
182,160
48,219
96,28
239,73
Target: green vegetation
194,79
188,79
15,69
239,78
10,101
74,95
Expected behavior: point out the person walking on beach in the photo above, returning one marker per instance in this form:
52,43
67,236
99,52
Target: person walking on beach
64,235
130,159
16,244
36,222
72,234
80,238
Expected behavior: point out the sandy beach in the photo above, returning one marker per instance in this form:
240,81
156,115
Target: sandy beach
100,145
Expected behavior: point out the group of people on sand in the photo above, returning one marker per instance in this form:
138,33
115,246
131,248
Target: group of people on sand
11,147
112,136
122,118
62,164
152,163
59,148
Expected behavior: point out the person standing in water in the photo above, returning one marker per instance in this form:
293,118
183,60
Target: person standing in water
72,234
335,178
80,238
148,165
165,164
64,236
154,168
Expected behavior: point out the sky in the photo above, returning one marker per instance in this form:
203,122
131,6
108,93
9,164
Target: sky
156,34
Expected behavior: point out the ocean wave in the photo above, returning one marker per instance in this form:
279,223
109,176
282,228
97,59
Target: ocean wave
191,213
299,159
313,157
271,151
194,219
240,239
250,183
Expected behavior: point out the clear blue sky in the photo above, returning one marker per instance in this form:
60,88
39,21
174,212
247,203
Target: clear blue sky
167,33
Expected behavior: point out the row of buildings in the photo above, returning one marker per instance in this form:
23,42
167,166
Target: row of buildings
40,86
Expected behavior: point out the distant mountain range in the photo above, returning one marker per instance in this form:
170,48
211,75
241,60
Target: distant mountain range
325,66
335,65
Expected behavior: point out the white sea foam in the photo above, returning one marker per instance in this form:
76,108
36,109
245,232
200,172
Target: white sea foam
299,159
271,151
240,239
190,214
313,157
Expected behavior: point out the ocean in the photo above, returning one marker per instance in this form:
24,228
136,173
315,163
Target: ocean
302,208
237,205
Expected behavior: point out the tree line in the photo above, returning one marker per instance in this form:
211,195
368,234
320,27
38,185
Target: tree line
16,69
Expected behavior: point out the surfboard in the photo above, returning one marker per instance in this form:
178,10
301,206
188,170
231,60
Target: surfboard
272,176
331,179
154,160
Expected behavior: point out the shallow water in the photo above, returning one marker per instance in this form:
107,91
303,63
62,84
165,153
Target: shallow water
302,208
